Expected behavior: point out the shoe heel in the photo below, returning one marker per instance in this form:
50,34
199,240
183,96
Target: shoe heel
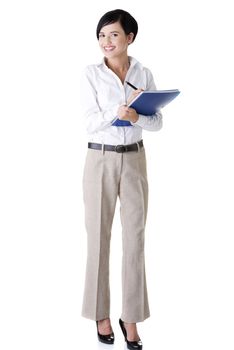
123,329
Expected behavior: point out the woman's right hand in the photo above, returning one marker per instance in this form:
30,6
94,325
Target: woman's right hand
134,95
127,113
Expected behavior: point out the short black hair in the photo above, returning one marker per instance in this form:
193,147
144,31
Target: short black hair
128,23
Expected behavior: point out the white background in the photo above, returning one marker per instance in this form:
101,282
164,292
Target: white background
189,235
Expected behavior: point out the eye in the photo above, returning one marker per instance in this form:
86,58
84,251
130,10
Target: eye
114,35
101,35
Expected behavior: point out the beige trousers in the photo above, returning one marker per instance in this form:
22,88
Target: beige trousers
106,176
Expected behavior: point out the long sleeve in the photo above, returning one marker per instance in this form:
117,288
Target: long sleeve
95,118
150,123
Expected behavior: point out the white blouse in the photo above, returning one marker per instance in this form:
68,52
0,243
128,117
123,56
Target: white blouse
102,92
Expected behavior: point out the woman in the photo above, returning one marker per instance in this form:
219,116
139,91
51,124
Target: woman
116,166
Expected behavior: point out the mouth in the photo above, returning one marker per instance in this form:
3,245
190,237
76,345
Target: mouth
108,48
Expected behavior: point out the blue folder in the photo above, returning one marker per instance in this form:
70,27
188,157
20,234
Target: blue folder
149,102
120,122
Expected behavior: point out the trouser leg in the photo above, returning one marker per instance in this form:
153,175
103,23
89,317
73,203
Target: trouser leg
100,184
134,201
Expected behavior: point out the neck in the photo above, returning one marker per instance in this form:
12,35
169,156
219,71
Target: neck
119,66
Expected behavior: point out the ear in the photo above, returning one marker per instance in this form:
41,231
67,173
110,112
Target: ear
130,38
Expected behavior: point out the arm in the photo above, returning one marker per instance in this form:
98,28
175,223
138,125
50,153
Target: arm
95,118
150,123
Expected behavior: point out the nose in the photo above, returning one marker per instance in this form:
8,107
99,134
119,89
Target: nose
107,40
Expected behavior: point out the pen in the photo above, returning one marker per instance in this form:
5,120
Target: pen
132,86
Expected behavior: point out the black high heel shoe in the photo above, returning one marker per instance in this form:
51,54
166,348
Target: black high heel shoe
107,339
132,345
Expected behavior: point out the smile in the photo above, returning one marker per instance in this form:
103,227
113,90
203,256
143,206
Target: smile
109,48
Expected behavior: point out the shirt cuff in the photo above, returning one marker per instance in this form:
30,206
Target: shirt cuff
141,121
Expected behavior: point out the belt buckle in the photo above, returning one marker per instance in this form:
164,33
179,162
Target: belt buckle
120,149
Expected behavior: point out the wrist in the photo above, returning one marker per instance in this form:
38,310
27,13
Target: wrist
135,119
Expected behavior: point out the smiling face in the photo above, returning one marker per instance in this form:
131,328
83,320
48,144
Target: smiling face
113,41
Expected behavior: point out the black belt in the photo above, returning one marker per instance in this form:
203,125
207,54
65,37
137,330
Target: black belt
119,148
